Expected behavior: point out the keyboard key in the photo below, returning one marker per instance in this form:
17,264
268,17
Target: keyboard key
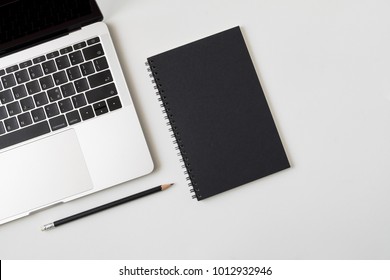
81,85
49,67
24,119
114,103
33,87
46,82
6,96
87,113
10,124
93,41
101,93
93,52
1,87
12,68
27,104
38,115
66,50
54,94
62,62
60,78
24,134
52,55
39,59
79,45
87,68
76,57
19,91
2,72
2,128
35,71
65,105
52,110
41,99
22,76
8,81
73,117
68,90
25,64
100,108
99,79
79,100
14,109
101,63
3,113
73,73
58,123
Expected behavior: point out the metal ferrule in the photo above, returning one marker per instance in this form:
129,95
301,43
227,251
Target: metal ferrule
47,227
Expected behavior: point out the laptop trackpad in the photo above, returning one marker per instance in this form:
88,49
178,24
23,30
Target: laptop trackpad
42,173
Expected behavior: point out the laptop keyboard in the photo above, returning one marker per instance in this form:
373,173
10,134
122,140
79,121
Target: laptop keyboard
55,90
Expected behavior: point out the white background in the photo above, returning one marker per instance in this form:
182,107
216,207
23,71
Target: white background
324,67
277,269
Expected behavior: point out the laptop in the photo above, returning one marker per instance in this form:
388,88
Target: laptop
68,126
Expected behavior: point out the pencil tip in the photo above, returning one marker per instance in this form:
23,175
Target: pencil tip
164,187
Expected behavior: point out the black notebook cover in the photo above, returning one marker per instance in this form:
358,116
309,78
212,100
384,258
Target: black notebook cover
218,113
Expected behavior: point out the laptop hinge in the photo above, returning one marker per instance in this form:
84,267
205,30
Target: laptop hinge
39,41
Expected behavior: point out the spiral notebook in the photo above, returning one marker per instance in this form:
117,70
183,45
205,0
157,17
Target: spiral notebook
217,113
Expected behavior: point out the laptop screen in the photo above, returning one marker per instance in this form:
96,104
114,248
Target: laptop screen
24,23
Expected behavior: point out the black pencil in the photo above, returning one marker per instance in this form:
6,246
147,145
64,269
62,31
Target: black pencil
104,207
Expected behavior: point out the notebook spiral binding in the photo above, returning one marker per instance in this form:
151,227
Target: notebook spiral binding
175,135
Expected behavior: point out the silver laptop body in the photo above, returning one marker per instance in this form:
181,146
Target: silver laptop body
102,147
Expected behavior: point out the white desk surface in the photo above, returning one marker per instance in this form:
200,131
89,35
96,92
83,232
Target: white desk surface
324,67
